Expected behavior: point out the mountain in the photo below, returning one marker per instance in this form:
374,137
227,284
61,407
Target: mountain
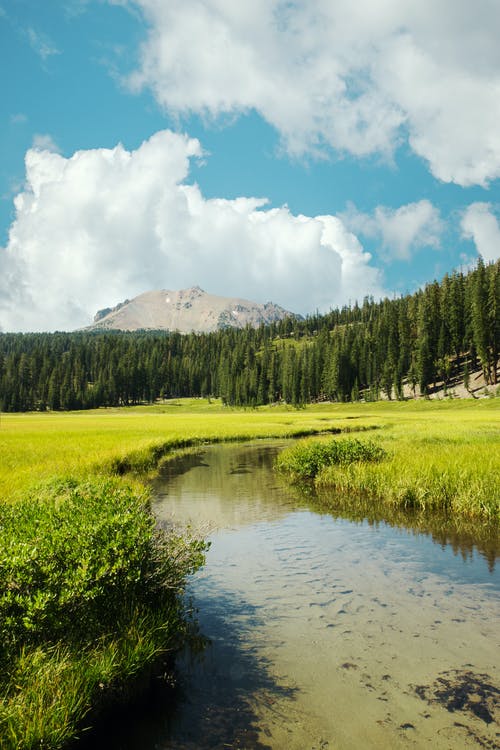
186,310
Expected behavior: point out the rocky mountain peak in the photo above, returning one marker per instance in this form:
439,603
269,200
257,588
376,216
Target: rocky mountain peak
186,310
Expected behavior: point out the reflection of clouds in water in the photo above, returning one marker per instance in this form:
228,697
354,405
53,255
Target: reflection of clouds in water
226,486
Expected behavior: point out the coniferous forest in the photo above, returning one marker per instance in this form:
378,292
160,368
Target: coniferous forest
368,350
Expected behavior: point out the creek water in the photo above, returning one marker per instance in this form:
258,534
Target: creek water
323,630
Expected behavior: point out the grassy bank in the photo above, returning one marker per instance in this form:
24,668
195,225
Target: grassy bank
35,446
90,594
439,457
91,591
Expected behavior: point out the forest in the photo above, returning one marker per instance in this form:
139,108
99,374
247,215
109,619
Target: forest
366,351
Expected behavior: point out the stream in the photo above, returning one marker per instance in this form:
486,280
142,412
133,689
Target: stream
321,630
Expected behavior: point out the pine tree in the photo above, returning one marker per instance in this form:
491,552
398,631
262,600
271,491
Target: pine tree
480,317
494,319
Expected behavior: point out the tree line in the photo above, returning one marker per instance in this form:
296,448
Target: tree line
443,331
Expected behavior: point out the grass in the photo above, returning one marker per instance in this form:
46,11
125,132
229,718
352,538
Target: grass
35,446
441,456
90,594
53,688
308,458
89,590
440,453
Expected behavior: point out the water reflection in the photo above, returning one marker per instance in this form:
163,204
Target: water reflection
463,535
213,496
329,624
223,487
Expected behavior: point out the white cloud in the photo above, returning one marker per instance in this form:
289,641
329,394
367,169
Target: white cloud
400,231
107,224
45,142
481,225
75,8
358,77
41,44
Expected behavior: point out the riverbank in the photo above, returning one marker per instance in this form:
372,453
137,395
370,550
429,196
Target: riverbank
59,471
91,594
36,446
444,459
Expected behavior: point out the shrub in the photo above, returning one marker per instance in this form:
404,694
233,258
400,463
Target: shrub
75,556
305,459
89,597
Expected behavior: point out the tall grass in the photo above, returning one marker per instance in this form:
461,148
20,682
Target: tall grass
443,457
308,458
36,446
56,690
418,477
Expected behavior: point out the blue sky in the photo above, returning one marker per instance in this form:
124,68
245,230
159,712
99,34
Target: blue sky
371,133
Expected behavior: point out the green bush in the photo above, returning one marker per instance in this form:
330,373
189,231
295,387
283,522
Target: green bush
90,595
75,556
305,459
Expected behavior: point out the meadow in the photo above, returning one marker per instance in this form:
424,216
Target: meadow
36,446
91,591
443,456
438,450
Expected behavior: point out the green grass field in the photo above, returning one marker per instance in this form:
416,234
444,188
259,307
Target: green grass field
438,456
37,446
81,614
78,481
430,443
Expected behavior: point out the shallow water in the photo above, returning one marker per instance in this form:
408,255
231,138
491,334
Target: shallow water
323,632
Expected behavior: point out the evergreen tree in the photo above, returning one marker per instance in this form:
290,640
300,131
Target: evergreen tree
494,320
480,317
348,353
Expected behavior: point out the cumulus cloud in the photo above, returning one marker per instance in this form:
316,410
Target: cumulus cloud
107,224
481,225
400,231
358,77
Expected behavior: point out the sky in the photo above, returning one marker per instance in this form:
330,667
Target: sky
304,152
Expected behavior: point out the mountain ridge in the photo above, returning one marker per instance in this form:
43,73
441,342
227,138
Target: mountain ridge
187,311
